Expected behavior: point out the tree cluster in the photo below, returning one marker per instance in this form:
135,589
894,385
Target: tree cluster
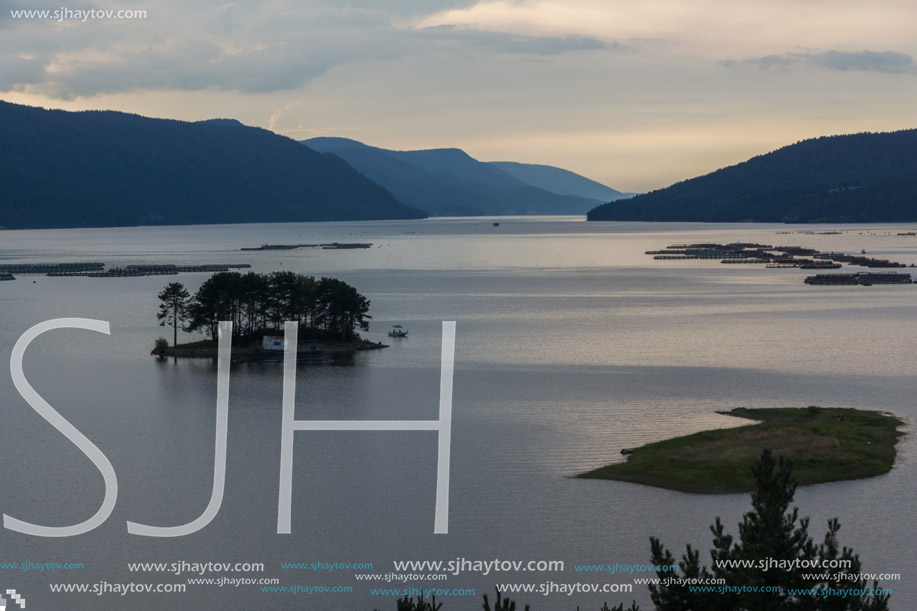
771,530
326,309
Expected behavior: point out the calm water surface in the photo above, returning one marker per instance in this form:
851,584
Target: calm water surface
571,344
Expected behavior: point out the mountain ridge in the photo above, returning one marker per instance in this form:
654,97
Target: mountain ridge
558,180
853,178
107,168
448,181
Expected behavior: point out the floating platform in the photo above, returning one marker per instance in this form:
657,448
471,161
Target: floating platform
746,260
115,272
207,267
331,246
345,246
281,247
860,278
860,260
48,268
784,257
131,271
798,251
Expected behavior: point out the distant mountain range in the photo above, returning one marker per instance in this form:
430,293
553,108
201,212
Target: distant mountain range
861,178
558,180
449,182
99,169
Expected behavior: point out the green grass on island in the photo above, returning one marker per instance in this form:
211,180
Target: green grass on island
825,445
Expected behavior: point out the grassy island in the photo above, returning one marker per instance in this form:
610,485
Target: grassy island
825,445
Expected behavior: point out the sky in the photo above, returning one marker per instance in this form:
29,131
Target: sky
636,94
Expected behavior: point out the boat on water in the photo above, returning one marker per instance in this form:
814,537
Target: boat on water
398,331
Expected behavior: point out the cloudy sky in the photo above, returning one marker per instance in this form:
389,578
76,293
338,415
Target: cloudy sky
634,93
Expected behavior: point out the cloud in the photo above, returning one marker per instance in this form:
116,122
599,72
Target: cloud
278,114
183,66
254,49
884,61
267,46
17,71
703,27
504,42
889,62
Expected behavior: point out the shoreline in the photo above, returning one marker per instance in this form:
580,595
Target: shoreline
825,444
257,354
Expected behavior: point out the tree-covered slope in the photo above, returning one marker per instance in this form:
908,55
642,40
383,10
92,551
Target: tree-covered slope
868,177
450,182
98,169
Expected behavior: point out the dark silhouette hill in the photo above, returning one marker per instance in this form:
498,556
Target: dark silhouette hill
451,182
103,168
860,178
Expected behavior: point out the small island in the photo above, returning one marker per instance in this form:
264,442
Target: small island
824,444
329,313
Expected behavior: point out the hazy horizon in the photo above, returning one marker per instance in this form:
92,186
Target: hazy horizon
633,96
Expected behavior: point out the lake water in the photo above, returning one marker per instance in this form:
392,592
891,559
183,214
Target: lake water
571,344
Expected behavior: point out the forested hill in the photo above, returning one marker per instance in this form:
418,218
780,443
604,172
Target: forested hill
102,169
860,178
450,182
